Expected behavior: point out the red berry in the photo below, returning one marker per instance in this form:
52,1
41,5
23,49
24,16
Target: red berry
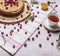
47,38
13,46
18,30
38,32
10,34
6,8
21,15
15,0
7,35
48,31
17,18
4,27
35,15
32,19
52,43
1,2
18,23
38,12
32,5
2,36
32,39
40,25
37,7
25,45
26,22
12,23
36,35
2,33
3,18
49,35
27,12
11,30
25,32
17,5
11,5
38,28
31,9
56,6
14,27
28,39
28,7
20,27
40,45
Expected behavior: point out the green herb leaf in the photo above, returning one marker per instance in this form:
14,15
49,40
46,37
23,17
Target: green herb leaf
58,41
34,2
4,40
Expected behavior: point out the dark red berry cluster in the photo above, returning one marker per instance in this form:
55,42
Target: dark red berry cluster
11,2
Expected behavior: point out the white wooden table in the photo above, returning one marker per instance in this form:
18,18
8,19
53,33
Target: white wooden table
42,42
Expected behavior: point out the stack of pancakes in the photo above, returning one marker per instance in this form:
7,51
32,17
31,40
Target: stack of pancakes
13,10
11,7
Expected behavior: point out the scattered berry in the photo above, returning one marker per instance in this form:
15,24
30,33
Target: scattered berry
49,35
38,12
56,6
32,39
52,43
28,39
17,30
31,9
2,33
7,35
6,8
13,46
38,28
20,27
47,38
35,16
48,31
37,7
48,2
40,45
32,5
38,32
4,27
1,2
36,35
14,27
40,25
25,45
26,22
25,32
32,19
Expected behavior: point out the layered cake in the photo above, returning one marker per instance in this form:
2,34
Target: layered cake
11,7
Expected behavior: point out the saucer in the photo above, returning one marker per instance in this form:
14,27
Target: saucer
51,28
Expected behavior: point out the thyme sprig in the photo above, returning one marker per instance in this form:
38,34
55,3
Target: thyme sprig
58,41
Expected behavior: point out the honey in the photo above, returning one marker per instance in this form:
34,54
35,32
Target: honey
44,6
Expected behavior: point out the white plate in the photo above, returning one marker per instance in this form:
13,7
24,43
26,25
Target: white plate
47,26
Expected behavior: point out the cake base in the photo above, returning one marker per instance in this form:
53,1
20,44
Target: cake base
26,12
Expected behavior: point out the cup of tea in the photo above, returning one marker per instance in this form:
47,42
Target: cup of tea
53,19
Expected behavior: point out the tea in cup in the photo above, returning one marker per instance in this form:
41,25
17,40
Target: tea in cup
53,19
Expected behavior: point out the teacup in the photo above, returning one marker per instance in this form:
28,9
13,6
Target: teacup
53,19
